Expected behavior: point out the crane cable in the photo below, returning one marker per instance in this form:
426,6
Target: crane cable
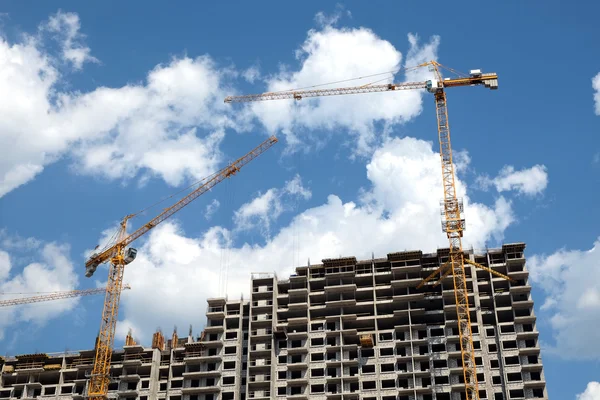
393,72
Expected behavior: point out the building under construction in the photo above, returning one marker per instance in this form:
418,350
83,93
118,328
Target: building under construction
343,329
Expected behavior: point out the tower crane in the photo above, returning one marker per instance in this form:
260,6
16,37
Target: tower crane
54,296
452,207
119,256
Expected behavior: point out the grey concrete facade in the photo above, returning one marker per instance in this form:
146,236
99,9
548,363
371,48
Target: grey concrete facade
299,338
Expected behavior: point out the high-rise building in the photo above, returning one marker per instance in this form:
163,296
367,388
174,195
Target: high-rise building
343,329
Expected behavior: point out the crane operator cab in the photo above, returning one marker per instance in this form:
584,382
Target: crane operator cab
434,86
130,255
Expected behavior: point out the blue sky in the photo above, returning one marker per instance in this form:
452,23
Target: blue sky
109,107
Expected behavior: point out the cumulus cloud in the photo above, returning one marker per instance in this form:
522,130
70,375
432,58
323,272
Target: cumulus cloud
336,55
169,126
267,207
592,392
570,279
596,87
529,181
398,211
52,271
66,26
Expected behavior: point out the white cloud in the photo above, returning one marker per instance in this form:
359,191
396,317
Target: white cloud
52,272
529,181
592,392
570,278
211,208
333,55
322,19
66,26
251,74
399,211
596,87
169,126
267,207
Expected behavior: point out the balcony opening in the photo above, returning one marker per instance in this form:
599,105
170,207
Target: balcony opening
530,343
535,376
441,380
507,328
332,372
368,369
195,383
66,390
424,365
296,359
295,390
516,394
387,367
229,365
425,382
332,388
440,364
514,377
369,385
438,348
195,367
402,367
295,374
403,383
231,335
442,396
537,393
176,384
388,384
532,359
386,336
317,388
511,360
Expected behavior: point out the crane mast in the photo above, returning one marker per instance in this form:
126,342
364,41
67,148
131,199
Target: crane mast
54,296
452,207
119,257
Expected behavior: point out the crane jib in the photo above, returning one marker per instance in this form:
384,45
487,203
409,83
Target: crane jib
96,259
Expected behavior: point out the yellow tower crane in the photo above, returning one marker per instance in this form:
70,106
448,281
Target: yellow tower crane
54,296
452,207
119,255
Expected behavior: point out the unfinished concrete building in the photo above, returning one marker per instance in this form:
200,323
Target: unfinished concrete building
343,329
